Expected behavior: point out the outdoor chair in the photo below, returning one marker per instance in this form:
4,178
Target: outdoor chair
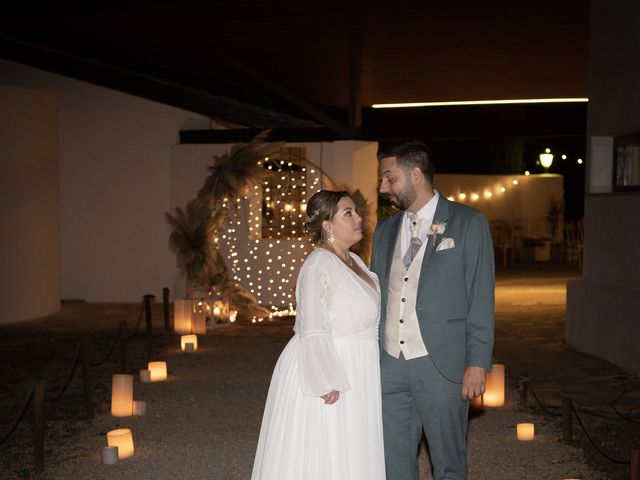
502,241
573,243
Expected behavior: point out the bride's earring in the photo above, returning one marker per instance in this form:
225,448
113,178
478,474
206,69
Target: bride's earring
331,238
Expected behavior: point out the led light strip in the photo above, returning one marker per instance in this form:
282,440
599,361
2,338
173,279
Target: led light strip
479,102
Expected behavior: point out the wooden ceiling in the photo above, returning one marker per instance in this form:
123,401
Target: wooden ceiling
271,54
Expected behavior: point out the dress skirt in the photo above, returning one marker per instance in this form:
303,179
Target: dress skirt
301,438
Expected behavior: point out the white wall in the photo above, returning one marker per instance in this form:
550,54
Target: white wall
603,304
29,204
530,199
121,168
354,164
114,186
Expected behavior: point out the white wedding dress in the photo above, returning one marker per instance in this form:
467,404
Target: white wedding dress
335,347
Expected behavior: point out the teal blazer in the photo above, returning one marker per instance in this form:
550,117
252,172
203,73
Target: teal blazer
455,300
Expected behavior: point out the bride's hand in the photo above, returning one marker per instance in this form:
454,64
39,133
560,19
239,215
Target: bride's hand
331,397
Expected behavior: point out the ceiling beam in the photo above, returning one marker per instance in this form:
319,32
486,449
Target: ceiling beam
146,86
438,123
311,110
244,135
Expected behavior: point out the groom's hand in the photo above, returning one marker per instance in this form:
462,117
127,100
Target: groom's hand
473,383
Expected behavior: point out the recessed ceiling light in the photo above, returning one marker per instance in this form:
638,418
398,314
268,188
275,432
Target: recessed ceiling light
479,102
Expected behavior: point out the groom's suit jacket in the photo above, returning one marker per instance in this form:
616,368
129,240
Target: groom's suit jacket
455,298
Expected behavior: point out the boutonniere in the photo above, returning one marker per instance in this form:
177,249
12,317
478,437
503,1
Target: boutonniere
436,228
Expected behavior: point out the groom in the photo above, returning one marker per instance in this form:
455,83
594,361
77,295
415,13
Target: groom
435,263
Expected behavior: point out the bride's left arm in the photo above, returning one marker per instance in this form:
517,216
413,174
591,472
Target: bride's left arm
320,368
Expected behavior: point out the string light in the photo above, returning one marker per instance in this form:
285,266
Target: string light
488,192
275,208
290,312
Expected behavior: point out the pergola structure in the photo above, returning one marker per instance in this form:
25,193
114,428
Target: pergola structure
312,73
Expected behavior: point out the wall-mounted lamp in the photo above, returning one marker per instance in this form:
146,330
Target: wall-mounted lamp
546,159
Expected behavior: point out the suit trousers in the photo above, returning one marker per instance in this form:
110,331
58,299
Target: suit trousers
416,397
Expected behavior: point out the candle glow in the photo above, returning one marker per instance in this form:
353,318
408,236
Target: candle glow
193,339
122,395
525,432
123,439
494,392
158,371
182,316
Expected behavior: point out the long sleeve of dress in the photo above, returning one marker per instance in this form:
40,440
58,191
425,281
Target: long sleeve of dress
320,368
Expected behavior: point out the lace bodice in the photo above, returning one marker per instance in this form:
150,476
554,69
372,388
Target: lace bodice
332,302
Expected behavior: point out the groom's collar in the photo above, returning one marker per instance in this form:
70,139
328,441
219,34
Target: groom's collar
442,210
428,210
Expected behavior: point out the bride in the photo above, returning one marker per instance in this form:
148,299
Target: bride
323,419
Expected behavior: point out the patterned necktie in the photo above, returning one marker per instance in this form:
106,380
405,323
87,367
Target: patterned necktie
414,243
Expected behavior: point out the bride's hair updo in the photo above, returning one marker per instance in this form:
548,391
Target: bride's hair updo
322,206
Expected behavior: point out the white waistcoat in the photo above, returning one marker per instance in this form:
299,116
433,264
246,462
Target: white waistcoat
402,331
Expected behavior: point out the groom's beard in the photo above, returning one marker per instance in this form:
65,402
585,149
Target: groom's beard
404,199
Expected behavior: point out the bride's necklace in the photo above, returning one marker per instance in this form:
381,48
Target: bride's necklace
348,261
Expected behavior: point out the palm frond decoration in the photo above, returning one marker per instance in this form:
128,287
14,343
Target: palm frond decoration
194,229
191,238
232,172
241,300
216,273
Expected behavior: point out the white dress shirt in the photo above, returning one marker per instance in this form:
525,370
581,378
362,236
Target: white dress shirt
425,219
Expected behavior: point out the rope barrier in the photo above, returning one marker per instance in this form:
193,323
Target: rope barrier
600,451
629,417
575,411
540,404
122,331
586,410
56,397
625,417
16,421
135,330
112,348
594,413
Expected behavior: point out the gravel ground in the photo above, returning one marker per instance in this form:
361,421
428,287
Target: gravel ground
203,423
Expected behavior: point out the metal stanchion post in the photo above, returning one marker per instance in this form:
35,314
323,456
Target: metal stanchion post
165,307
635,463
38,426
147,310
567,420
523,390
